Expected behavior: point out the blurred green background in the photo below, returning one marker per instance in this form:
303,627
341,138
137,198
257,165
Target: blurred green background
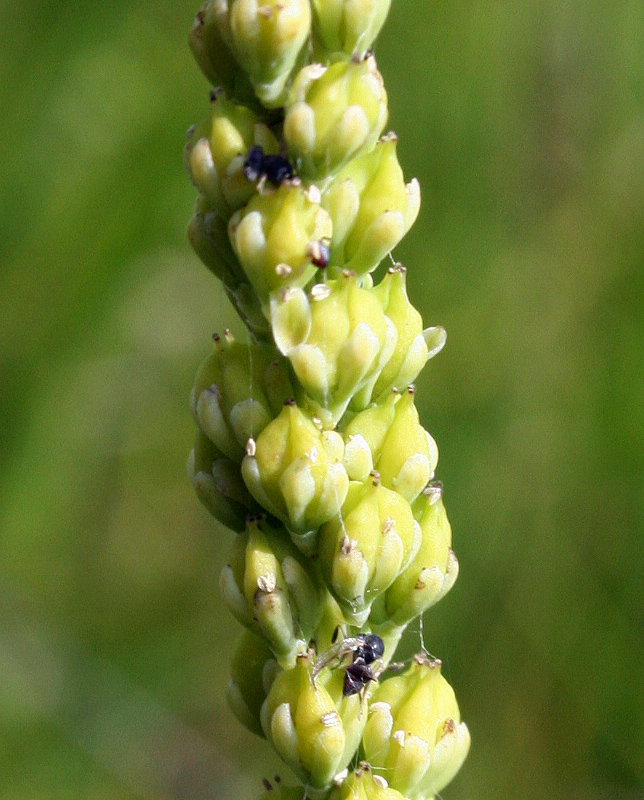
524,123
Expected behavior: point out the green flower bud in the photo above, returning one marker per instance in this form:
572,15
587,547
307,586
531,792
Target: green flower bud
268,588
414,735
252,671
215,152
337,340
211,54
432,572
363,784
207,233
295,472
403,453
273,235
414,346
219,484
228,399
362,551
333,114
371,208
348,26
266,40
311,725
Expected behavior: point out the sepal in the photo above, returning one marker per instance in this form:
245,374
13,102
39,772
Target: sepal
414,346
219,485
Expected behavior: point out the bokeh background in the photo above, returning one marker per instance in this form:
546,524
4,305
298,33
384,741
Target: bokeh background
524,123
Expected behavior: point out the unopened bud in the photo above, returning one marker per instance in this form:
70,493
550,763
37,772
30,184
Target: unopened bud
334,114
414,736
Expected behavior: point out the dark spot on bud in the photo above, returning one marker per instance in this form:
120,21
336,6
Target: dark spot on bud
320,253
267,784
290,401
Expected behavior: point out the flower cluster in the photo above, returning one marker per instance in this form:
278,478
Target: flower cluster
309,444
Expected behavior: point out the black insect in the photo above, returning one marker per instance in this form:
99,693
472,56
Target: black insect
274,169
363,649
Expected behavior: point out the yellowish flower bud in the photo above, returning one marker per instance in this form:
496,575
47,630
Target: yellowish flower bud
272,237
337,340
333,114
414,346
266,39
371,207
363,784
312,726
432,572
228,399
348,26
213,55
403,453
267,586
295,472
414,736
362,551
215,152
208,234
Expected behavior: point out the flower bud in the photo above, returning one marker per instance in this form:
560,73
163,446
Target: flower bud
371,208
295,472
311,724
348,26
414,346
333,114
414,735
213,56
432,572
362,551
272,237
337,341
219,485
228,399
363,784
215,152
252,671
266,40
207,233
403,453
268,588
